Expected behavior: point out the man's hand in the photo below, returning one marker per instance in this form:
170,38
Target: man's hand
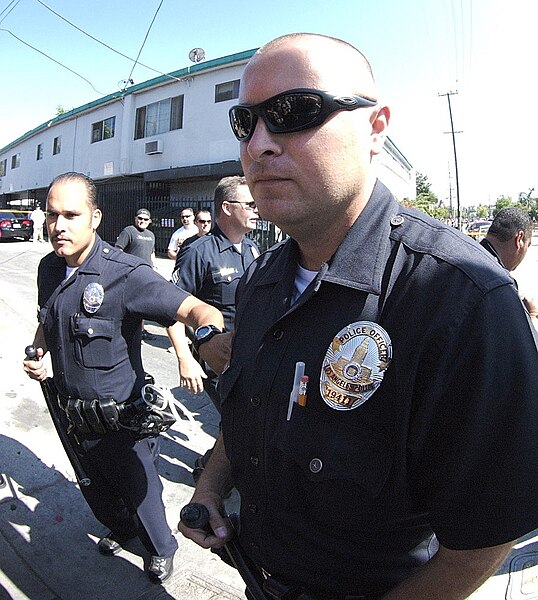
35,368
216,352
191,374
221,528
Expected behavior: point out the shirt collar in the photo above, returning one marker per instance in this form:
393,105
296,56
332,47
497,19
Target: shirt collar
359,260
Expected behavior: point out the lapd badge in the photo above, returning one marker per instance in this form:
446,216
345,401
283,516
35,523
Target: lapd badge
354,365
93,297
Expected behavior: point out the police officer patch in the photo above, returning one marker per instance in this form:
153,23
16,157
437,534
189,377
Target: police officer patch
354,365
93,297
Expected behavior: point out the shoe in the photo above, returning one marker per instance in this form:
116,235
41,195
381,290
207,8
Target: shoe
146,335
108,546
160,568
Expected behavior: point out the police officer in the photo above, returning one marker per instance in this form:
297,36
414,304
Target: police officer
378,411
210,267
508,239
92,298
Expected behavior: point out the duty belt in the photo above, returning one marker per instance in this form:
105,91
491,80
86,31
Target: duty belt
277,590
97,416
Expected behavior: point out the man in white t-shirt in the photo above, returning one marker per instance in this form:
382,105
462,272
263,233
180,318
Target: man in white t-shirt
187,230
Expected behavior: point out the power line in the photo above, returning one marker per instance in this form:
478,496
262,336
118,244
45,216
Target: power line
103,43
143,44
53,60
14,2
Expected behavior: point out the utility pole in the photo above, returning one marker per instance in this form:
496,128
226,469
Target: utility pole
448,94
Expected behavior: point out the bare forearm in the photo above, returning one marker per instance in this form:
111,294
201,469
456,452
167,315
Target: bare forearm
216,478
194,312
451,574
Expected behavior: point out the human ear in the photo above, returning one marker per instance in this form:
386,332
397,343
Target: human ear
380,122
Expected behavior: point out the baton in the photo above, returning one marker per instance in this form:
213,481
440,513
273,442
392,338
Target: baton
196,516
49,394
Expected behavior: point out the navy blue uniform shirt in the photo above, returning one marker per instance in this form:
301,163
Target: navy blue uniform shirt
420,414
98,354
210,268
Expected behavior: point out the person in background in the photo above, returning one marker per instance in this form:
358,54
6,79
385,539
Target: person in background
210,268
508,239
91,300
379,411
37,216
139,241
187,230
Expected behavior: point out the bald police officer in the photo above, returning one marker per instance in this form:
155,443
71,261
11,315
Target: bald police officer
380,431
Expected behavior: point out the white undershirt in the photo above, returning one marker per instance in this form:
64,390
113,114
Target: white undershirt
69,271
303,278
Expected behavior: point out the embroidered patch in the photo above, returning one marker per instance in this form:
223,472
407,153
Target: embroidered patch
354,365
93,297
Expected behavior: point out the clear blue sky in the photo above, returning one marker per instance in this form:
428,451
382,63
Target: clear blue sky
484,49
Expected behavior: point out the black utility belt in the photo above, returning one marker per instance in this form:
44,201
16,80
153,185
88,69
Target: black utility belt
142,416
93,416
277,590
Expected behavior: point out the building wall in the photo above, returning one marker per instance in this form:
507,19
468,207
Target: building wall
192,159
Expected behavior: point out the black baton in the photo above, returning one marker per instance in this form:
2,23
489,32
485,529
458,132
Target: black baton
50,395
196,516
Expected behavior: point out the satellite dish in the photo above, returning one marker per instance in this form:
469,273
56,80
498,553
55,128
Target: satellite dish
197,55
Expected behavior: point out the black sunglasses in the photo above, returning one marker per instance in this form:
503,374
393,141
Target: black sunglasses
251,204
291,111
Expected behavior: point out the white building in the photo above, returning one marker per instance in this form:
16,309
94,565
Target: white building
166,140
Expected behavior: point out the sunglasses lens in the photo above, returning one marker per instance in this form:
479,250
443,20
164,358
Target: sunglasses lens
242,122
289,112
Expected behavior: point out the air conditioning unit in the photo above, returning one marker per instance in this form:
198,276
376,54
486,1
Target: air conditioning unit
154,147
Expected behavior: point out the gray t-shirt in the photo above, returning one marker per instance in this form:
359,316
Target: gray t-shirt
139,242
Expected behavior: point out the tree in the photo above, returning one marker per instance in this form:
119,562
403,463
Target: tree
422,184
482,212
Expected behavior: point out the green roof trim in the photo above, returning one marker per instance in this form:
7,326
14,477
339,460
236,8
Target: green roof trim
161,79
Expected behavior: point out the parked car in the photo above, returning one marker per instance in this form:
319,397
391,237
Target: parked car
478,229
15,225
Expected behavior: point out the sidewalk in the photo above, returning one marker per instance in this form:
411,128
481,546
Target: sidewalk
47,533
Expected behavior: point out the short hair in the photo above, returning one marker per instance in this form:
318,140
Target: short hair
202,210
227,190
72,176
508,222
186,208
275,43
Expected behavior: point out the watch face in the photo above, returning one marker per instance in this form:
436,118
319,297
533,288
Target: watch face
202,331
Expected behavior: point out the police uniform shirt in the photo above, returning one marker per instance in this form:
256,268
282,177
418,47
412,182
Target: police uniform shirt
420,411
210,268
92,329
138,242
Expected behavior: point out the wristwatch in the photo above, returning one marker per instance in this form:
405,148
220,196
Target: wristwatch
204,333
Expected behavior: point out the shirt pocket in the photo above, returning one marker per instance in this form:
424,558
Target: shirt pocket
93,341
225,282
338,472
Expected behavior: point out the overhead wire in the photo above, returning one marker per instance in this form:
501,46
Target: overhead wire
143,44
53,60
14,2
103,43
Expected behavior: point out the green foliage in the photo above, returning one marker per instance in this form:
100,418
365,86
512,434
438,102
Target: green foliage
482,212
422,183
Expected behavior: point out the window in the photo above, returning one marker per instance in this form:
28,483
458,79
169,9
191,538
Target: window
3,167
16,160
103,130
159,117
39,152
57,145
227,91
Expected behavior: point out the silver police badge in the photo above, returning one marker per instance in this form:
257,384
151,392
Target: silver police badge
93,297
354,365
